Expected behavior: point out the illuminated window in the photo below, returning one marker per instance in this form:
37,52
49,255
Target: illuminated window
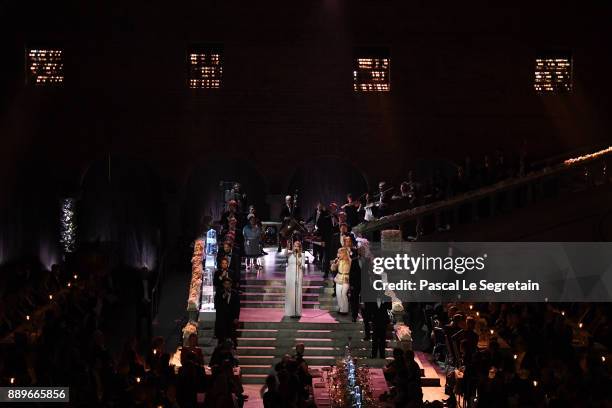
371,71
553,73
45,66
205,68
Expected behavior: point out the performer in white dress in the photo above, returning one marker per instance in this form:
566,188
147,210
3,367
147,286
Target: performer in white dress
293,281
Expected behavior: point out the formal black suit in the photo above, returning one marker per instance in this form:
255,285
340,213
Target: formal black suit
292,211
352,218
287,212
227,306
235,263
219,276
354,284
380,320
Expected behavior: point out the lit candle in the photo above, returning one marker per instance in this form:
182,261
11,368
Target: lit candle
28,317
563,313
12,380
471,307
477,314
492,331
154,352
68,284
75,276
603,359
515,356
138,380
580,325
535,383
50,297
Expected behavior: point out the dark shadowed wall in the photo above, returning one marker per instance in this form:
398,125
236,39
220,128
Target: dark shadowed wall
461,84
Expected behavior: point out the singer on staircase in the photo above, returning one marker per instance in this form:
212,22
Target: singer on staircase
293,281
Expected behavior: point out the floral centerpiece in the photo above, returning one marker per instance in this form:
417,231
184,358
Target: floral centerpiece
404,336
195,287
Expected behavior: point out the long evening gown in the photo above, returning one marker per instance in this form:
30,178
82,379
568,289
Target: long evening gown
293,285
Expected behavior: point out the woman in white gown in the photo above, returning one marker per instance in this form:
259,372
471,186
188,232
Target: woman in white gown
293,281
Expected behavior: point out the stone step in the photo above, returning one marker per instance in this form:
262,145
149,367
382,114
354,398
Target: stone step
302,325
310,351
275,296
272,360
291,341
282,334
306,304
254,378
276,281
256,368
278,288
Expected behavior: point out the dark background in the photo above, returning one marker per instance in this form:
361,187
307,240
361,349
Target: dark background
461,83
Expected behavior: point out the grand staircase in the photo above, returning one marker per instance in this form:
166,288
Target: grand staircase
265,335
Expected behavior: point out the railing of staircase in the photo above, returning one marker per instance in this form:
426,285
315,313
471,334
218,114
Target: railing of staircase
587,170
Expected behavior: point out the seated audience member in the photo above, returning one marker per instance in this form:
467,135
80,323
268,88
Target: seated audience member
191,381
468,335
223,351
269,393
394,366
192,347
454,326
225,389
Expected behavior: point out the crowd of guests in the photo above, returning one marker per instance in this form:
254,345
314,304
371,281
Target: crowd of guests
524,355
60,329
291,384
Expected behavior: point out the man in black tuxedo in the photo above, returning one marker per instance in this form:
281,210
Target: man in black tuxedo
350,208
380,321
227,306
232,254
354,279
323,228
290,210
223,272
